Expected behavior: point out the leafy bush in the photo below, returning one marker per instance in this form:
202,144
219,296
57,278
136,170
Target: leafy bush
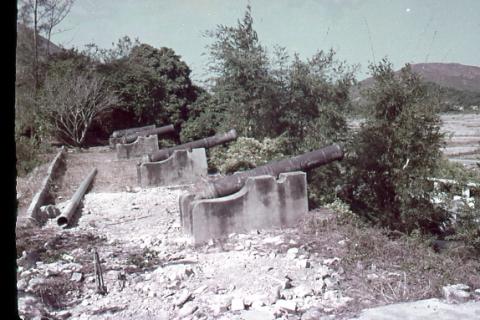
394,154
246,153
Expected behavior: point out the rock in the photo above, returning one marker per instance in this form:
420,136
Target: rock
278,240
331,282
477,292
292,253
34,283
63,314
287,283
237,304
77,277
331,262
275,295
302,291
218,309
303,264
200,289
372,276
184,296
456,293
312,313
187,309
289,306
22,284
335,299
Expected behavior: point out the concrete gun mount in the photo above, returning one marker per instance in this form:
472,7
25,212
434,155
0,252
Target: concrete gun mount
202,143
138,148
130,135
182,167
253,198
263,202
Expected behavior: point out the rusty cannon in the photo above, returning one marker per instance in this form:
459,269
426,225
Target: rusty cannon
202,143
130,135
272,195
230,184
148,132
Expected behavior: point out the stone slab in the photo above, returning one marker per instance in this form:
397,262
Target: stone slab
263,202
433,309
182,167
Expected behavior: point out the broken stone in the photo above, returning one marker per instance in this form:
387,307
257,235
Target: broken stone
289,306
372,277
287,283
187,309
303,264
302,291
22,284
456,293
292,253
312,313
184,296
77,277
330,262
237,304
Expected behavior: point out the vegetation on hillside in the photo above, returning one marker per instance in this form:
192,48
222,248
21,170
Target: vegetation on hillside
279,104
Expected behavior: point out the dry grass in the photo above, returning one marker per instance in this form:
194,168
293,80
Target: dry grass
382,267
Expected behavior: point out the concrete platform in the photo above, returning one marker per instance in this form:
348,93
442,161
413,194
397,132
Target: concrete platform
138,148
432,309
263,202
182,167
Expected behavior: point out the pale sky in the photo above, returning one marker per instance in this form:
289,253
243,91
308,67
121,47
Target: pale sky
360,31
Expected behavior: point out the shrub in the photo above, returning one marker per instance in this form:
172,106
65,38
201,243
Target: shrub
394,154
246,153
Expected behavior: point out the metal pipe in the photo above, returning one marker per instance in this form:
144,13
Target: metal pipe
233,183
202,143
69,210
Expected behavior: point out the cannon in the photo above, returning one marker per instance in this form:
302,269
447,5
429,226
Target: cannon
273,195
130,135
202,143
230,184
158,131
125,132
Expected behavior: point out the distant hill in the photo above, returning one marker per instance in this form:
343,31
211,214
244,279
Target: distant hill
457,85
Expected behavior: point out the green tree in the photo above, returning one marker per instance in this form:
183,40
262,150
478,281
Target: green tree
242,84
395,152
153,85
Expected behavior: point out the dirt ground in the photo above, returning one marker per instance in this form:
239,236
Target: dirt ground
327,266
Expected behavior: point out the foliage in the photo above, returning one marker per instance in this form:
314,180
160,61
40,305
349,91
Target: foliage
242,86
205,118
467,226
69,104
26,153
246,153
395,152
153,86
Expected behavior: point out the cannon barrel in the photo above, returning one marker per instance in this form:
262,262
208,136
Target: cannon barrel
67,213
162,130
126,132
233,183
202,143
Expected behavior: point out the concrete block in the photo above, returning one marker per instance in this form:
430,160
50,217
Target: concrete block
182,167
263,202
117,135
138,148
